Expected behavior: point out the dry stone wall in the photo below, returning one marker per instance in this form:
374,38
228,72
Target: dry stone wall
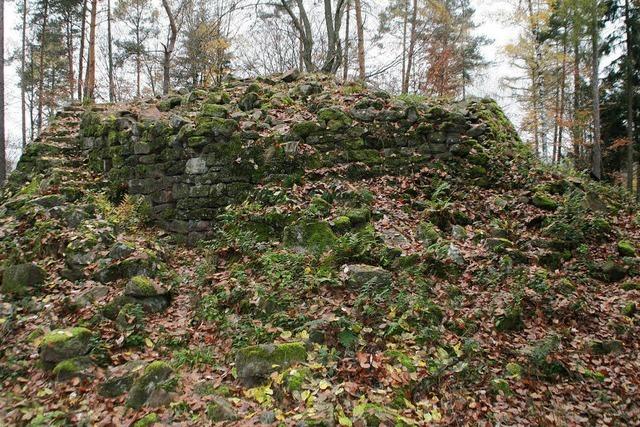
193,154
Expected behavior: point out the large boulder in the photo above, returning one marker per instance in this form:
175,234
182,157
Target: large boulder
63,344
254,364
18,280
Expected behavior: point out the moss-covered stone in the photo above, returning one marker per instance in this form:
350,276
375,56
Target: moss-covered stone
428,233
154,376
477,171
359,275
305,129
219,410
255,363
71,368
18,280
341,224
626,248
120,378
359,216
215,127
610,271
142,286
170,103
148,420
316,236
600,227
544,201
62,344
480,159
249,101
630,309
127,268
333,119
219,97
214,110
295,378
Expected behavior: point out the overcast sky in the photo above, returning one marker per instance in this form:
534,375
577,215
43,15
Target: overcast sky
490,14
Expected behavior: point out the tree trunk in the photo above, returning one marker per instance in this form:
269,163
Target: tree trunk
333,22
360,30
32,102
301,53
90,81
412,44
43,40
556,124
152,80
575,127
138,61
69,35
596,155
303,26
405,23
168,49
331,37
534,86
23,62
563,91
3,149
630,113
345,71
112,89
81,53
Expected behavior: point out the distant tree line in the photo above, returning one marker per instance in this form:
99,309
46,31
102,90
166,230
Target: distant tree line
579,82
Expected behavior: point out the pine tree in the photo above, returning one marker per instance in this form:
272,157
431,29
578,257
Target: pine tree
140,18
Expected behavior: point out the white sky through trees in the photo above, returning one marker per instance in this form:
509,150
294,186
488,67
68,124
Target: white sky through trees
491,15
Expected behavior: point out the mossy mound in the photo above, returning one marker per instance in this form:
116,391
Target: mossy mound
316,236
255,363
